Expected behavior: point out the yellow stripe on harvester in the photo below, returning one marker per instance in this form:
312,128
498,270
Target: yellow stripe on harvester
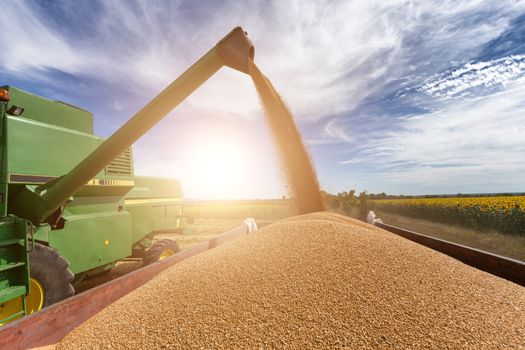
110,182
151,200
42,179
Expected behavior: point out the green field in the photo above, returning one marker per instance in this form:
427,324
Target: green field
258,209
504,214
489,240
460,220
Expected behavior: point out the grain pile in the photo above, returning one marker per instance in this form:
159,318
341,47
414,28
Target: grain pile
295,163
314,281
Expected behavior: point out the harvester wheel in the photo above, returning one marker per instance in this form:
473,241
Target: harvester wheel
51,274
160,250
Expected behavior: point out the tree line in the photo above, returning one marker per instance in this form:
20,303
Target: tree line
350,204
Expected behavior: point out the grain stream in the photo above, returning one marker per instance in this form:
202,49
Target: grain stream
314,281
296,165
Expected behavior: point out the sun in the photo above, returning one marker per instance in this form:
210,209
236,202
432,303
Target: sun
216,169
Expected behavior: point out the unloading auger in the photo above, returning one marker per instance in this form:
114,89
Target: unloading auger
234,51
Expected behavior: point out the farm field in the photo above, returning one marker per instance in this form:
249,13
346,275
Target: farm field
475,230
504,214
257,209
512,246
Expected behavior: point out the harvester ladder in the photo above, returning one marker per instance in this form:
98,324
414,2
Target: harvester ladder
14,266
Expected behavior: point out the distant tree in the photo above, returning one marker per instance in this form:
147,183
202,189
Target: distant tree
381,195
347,200
363,205
342,201
330,200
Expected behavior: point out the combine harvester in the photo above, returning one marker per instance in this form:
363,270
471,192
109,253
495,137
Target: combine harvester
113,216
55,230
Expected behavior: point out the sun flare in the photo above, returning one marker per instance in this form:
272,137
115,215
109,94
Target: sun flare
218,168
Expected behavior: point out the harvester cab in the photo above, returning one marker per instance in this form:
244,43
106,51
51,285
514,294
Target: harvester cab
70,204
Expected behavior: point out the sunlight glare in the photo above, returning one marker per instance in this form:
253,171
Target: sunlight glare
217,168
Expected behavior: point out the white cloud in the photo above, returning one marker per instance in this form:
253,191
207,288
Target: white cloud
325,57
484,74
32,46
330,134
350,161
475,142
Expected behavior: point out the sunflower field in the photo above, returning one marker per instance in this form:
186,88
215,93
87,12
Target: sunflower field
503,214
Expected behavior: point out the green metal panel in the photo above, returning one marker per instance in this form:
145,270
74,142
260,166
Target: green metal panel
159,187
82,205
41,233
42,149
52,112
91,240
167,215
174,210
137,204
168,224
156,205
142,223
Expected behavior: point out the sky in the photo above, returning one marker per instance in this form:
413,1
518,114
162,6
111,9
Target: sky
402,97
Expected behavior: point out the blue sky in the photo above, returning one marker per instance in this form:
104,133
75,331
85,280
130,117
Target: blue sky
408,97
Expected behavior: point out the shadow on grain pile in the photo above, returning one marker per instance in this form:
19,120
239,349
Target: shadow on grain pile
314,281
296,165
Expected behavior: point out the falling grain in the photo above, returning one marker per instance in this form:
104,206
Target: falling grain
295,163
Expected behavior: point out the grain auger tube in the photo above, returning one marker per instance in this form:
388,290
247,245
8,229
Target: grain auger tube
234,51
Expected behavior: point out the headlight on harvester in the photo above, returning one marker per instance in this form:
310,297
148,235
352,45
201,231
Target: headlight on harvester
4,95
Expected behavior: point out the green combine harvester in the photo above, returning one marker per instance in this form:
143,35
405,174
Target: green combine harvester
70,205
113,216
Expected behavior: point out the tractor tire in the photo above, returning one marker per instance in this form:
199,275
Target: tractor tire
52,273
160,250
